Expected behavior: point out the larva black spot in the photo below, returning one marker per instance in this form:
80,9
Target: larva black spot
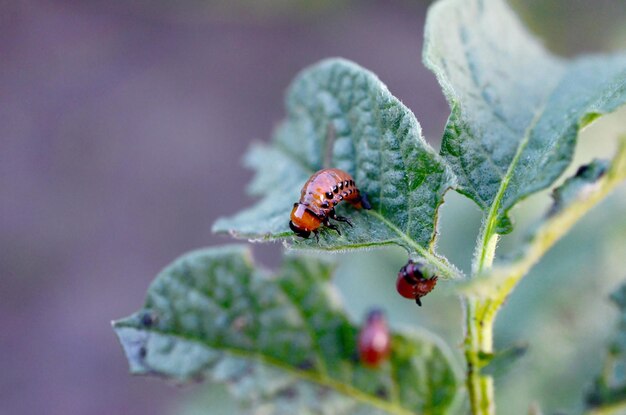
329,195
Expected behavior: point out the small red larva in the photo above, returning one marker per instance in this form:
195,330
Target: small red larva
318,198
374,339
412,283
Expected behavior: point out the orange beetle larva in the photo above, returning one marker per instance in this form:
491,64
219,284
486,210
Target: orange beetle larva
318,198
374,343
412,283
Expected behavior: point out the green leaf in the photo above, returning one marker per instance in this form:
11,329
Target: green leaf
573,199
575,188
281,342
500,362
341,115
516,109
608,393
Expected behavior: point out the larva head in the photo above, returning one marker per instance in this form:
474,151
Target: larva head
303,221
376,316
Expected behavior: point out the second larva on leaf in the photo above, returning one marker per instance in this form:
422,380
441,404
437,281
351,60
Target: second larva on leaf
412,283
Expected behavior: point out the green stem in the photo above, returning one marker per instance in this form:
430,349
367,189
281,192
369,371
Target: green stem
479,332
480,312
486,248
612,409
493,285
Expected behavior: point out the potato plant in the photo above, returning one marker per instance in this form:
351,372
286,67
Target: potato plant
282,340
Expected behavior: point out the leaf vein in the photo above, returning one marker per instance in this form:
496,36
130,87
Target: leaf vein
306,376
317,349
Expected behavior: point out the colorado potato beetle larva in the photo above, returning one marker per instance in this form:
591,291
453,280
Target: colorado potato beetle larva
318,198
412,283
374,339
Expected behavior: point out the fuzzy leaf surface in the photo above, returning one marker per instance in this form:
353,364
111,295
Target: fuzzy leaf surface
516,108
572,200
281,342
341,115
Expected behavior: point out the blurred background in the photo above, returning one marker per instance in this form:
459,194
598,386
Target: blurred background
121,129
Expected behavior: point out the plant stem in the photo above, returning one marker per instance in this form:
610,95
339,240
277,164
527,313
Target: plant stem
486,250
479,332
493,285
611,409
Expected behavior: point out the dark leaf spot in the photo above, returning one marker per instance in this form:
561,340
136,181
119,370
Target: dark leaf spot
306,364
381,392
289,393
148,319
